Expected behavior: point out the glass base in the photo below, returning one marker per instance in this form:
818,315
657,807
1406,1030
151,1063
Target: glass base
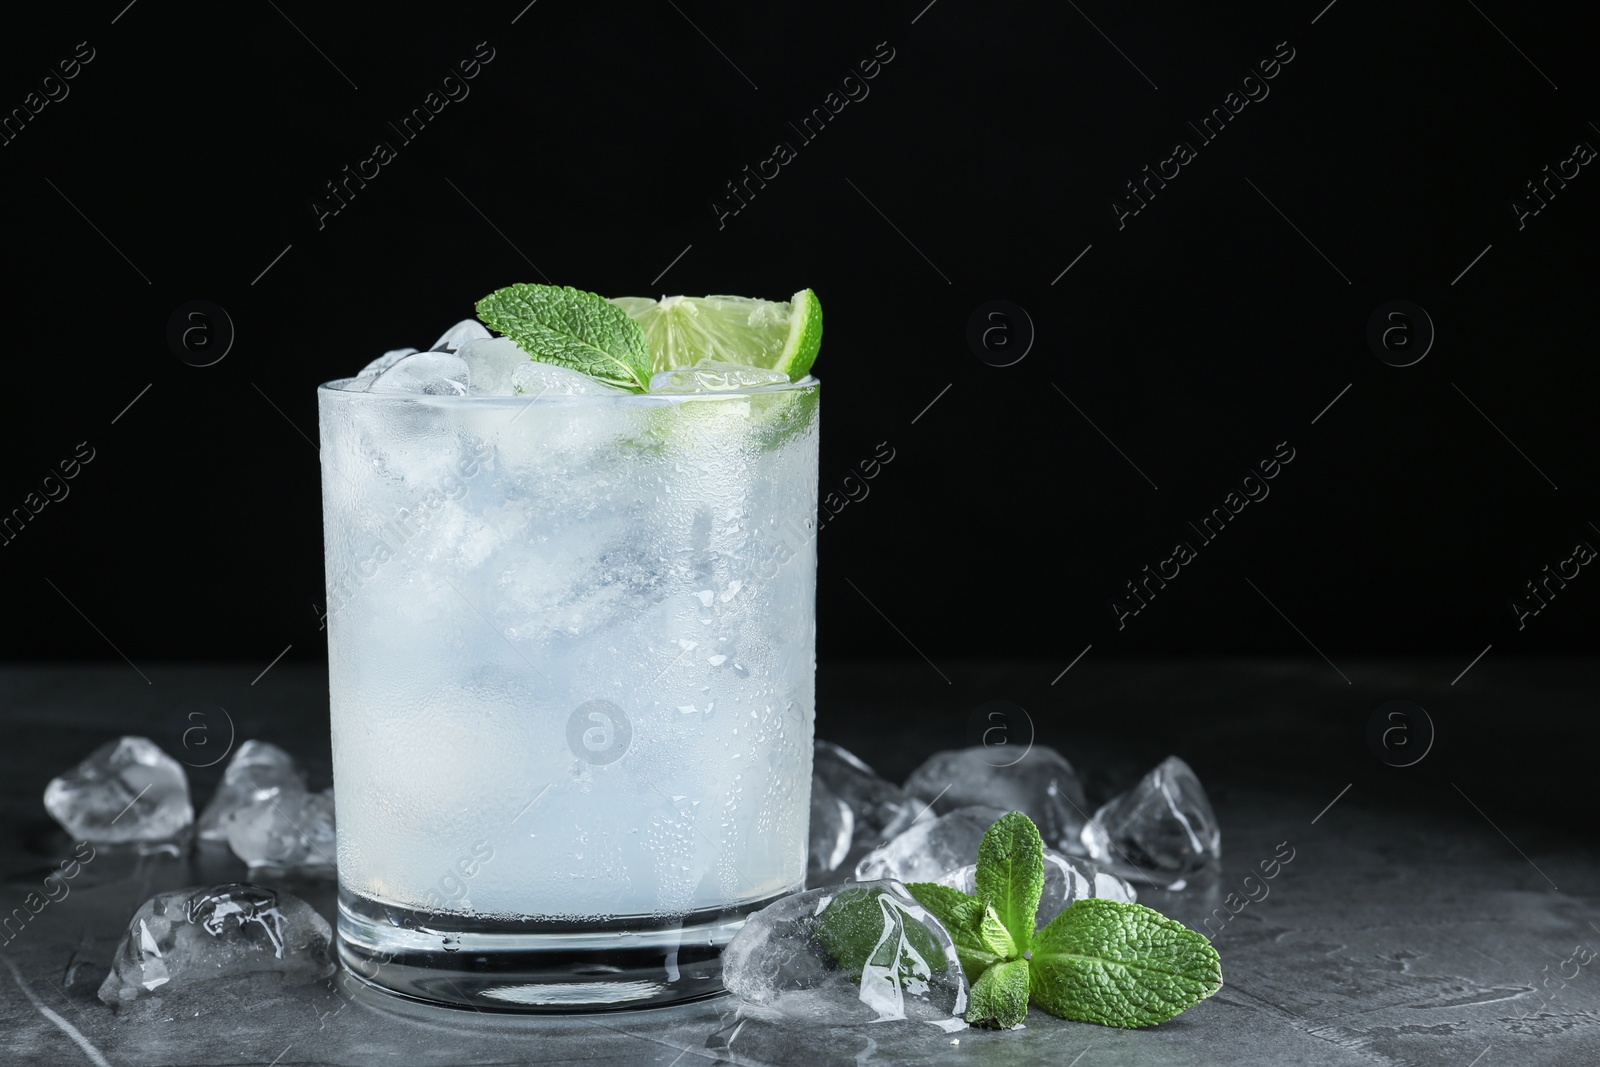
553,967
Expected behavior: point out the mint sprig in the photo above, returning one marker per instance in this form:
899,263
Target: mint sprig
571,328
1099,961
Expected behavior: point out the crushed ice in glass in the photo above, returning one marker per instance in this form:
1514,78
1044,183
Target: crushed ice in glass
546,379
1067,880
857,954
384,362
126,790
188,939
458,335
1162,830
429,373
258,771
930,850
1041,784
713,376
490,362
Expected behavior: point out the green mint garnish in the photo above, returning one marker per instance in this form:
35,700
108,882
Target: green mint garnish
865,926
571,328
1104,961
1099,961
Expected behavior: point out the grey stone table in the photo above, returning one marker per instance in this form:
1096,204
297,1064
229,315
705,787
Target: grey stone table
1435,914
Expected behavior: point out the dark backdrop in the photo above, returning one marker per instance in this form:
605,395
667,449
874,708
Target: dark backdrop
1172,349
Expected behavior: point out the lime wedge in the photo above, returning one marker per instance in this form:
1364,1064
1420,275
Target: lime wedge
780,335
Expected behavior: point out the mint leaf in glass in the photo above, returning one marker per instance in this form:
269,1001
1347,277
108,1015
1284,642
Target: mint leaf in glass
1118,964
571,328
1000,997
1010,875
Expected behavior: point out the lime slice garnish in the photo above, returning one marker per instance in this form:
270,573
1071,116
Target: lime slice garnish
780,335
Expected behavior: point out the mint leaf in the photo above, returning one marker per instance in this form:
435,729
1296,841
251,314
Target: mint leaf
1000,997
1103,961
963,918
571,328
1011,874
859,923
995,937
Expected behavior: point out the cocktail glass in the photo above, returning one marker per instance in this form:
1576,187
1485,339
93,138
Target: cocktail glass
571,645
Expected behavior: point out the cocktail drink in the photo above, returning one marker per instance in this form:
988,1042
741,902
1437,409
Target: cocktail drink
571,638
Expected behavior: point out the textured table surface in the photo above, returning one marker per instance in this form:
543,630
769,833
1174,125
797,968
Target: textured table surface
1408,928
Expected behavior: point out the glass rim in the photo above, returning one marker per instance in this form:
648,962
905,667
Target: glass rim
333,387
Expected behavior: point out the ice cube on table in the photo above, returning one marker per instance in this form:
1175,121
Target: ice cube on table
1041,784
832,829
1067,880
384,362
882,809
533,378
930,850
258,771
293,831
188,939
458,335
424,373
712,376
854,954
1162,830
126,790
490,362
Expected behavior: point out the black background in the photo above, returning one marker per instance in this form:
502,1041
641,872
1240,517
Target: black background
984,161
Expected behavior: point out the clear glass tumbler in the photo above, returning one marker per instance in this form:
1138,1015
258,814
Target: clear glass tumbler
571,650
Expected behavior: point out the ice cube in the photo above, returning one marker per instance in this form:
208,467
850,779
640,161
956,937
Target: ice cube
188,939
292,831
429,373
258,771
1163,828
832,829
1041,784
857,954
384,362
532,378
1067,880
458,335
490,361
930,850
882,809
126,790
712,376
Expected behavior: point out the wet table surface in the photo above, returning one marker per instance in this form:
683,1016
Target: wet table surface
1408,928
